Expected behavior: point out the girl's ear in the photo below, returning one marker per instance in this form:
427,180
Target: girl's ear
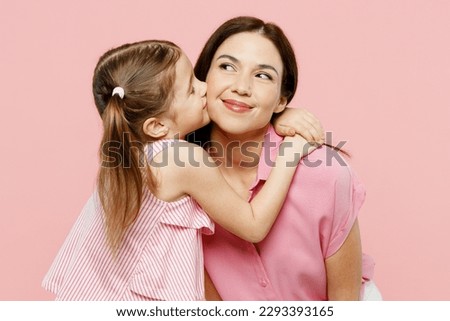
155,127
281,105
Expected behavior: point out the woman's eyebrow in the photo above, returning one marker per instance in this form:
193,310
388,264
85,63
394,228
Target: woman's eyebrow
235,60
264,66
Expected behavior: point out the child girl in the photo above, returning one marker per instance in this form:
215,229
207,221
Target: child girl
139,235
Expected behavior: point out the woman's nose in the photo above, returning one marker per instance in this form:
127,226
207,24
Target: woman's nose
242,86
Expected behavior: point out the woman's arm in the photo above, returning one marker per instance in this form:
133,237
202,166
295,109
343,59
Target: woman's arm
211,293
205,183
344,269
300,121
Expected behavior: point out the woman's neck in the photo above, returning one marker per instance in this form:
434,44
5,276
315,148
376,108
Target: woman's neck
239,152
238,157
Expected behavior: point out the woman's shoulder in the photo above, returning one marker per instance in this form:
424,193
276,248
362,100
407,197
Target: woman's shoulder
327,164
326,170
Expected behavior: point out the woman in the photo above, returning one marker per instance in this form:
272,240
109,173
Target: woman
313,251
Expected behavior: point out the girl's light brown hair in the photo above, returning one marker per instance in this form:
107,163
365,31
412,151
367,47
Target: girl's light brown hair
146,72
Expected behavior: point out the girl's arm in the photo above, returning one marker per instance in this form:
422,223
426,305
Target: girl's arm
250,221
300,121
344,269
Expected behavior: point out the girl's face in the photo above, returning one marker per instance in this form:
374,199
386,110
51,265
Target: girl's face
188,108
244,84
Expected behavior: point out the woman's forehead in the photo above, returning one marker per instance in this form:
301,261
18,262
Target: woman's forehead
250,46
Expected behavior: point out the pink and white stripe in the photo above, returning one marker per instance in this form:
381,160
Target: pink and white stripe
161,256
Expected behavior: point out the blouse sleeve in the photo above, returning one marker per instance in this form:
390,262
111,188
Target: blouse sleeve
349,195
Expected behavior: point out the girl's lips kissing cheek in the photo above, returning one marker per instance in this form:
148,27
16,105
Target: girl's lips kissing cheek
236,106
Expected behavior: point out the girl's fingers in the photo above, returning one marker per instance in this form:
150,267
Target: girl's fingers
303,130
314,123
316,134
311,132
302,122
283,130
313,120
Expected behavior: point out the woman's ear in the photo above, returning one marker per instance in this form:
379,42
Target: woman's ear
155,128
281,105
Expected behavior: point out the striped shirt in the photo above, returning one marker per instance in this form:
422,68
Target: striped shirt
161,257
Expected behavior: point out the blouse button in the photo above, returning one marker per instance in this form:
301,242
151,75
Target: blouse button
263,283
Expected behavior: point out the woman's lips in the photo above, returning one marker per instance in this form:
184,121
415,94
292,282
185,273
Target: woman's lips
236,106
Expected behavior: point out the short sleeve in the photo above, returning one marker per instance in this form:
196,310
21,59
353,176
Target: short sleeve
349,195
188,214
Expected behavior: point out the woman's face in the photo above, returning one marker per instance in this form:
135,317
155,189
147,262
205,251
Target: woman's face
244,84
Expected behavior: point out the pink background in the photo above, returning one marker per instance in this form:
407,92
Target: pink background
377,73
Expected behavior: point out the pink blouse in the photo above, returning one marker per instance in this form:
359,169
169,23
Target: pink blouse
161,258
289,264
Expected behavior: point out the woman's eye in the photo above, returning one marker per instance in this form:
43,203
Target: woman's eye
227,67
264,76
193,90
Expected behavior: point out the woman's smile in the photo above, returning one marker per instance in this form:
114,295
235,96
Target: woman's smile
236,106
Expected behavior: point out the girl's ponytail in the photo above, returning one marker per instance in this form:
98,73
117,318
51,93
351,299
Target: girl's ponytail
145,72
120,182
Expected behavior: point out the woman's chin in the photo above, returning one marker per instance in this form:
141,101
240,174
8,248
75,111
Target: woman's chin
238,129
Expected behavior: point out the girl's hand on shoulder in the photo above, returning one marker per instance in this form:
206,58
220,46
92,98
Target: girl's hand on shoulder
299,121
294,148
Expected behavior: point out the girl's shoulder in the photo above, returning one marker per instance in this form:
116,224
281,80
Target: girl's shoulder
176,152
175,165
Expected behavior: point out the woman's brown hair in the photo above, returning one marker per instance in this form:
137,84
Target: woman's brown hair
146,73
247,24
268,30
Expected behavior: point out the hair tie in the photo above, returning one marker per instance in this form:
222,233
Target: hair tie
119,91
